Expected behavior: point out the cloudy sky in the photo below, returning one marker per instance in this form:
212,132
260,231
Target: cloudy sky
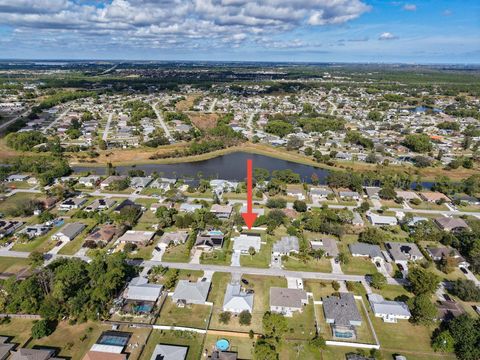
423,31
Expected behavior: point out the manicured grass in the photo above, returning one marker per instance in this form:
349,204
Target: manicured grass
177,253
391,292
242,345
180,338
428,206
195,316
302,325
262,258
318,288
322,265
359,266
73,340
18,329
216,257
13,265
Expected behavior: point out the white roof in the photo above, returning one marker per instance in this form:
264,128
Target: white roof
381,219
107,348
244,242
382,306
139,289
237,300
136,236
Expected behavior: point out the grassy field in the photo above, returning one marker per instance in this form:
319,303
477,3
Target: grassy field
180,338
73,340
195,316
13,265
242,345
322,265
359,266
18,329
302,325
176,254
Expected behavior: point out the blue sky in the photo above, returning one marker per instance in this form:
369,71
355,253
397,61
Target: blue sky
427,31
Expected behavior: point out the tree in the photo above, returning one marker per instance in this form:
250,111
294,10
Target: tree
418,142
36,259
364,207
466,334
245,318
300,206
378,280
373,236
264,351
251,251
42,328
387,192
443,341
335,285
422,281
466,290
225,317
274,325
422,309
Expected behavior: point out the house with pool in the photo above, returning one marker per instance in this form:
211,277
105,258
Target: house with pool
342,314
140,297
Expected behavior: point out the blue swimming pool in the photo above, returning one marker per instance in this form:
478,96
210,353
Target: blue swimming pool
145,308
222,345
343,334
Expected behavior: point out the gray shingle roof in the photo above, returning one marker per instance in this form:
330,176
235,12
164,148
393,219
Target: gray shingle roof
191,292
365,250
341,310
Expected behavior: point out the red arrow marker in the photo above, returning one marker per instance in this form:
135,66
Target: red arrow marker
249,216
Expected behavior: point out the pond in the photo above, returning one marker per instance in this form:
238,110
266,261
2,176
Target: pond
229,167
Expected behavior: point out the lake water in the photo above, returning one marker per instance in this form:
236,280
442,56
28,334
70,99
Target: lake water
229,167
421,109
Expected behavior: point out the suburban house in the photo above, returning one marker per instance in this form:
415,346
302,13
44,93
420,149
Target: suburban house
287,301
236,300
102,235
220,186
451,224
296,193
33,354
416,220
223,355
244,242
175,238
140,182
100,204
221,211
372,192
381,220
69,232
258,211
139,290
5,347
109,346
342,314
464,198
8,227
140,238
72,203
17,178
357,219
187,292
407,195
403,252
389,311
285,246
438,253
110,180
373,252
169,352
448,310
328,245
318,194
189,208
89,181
209,240
349,195
433,196
33,231
163,183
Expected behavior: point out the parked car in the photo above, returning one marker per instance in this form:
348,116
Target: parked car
245,281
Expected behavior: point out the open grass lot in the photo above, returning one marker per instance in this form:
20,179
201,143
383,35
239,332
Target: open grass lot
216,257
181,338
242,345
299,350
359,266
13,265
195,316
302,325
73,341
391,292
318,288
428,206
322,265
18,329
11,202
177,253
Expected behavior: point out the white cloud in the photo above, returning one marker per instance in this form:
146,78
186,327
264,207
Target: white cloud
387,36
410,7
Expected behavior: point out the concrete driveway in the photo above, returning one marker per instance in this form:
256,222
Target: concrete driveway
336,268
235,259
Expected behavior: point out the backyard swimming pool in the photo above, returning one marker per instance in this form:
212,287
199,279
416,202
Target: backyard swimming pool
222,344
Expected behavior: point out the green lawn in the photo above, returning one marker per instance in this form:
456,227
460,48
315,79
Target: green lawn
302,325
359,266
391,292
18,329
73,340
13,265
195,316
41,243
242,345
177,253
322,265
260,259
298,350
181,338
216,257
11,202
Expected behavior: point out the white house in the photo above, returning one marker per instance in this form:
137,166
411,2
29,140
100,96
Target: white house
244,242
287,301
236,300
389,311
382,220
